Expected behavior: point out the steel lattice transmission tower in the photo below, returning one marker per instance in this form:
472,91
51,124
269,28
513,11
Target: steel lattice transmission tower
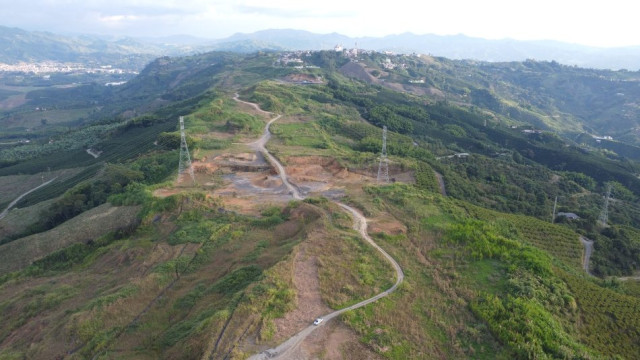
185,159
383,168
604,215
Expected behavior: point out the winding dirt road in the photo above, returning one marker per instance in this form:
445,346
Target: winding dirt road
259,145
359,223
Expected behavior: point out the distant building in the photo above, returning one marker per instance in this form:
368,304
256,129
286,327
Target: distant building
606,137
387,64
570,216
338,48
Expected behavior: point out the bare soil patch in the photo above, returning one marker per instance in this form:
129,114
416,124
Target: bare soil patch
336,341
166,192
303,78
357,71
13,101
387,225
309,304
323,175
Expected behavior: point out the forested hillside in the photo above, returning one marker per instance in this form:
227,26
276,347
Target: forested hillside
105,255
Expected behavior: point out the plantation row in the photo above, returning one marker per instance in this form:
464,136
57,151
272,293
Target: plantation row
558,241
58,188
610,320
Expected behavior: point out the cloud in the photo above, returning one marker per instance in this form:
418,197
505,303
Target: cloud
610,24
291,12
118,18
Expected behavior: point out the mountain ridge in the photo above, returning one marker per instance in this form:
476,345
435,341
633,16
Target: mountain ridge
21,45
457,46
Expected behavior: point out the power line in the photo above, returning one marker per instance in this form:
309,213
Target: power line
185,159
383,168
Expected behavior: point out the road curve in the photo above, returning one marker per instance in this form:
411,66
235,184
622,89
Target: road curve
253,105
359,224
588,250
259,145
6,211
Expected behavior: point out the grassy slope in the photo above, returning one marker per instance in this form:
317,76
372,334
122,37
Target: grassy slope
35,119
445,283
92,224
14,185
195,282
18,221
223,278
194,311
573,303
427,318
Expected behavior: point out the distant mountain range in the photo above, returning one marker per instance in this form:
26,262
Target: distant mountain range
18,45
449,46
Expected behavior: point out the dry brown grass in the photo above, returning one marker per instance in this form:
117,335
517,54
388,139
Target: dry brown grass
64,322
87,226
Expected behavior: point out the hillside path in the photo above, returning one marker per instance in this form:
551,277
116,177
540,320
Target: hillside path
588,249
287,348
6,211
259,145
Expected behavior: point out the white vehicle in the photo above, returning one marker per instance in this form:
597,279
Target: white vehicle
318,321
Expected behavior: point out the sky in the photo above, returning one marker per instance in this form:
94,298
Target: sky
609,23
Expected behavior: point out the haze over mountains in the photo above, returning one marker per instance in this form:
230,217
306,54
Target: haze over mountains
19,45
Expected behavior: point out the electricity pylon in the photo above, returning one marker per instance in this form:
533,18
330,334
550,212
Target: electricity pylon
185,159
604,215
383,168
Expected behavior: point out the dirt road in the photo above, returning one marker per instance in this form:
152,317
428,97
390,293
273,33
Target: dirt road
259,146
588,249
290,346
6,211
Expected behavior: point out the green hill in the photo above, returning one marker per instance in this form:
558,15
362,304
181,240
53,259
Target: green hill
230,265
26,46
